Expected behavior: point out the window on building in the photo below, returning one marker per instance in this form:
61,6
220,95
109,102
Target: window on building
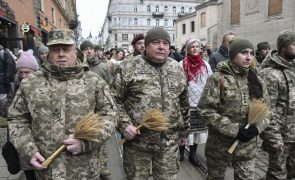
203,19
192,26
124,37
166,8
166,22
275,7
191,9
129,21
116,37
174,21
173,37
115,22
135,8
53,15
148,23
60,23
135,22
174,9
235,11
157,9
42,5
183,28
148,8
182,10
157,22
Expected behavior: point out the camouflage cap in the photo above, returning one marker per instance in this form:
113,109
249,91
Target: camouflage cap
285,38
61,36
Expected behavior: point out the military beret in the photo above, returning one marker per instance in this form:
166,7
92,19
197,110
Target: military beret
137,38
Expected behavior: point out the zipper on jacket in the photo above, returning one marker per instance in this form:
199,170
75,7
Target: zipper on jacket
162,89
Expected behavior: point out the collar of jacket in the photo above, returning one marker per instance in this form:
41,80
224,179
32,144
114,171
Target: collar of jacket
151,62
93,61
64,73
228,67
276,61
224,51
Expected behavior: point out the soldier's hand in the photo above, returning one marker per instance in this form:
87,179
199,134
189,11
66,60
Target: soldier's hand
74,146
37,160
130,132
182,141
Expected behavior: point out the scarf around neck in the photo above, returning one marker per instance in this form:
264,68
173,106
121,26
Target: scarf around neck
192,66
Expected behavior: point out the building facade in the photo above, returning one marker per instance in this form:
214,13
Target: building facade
201,25
126,18
25,24
256,20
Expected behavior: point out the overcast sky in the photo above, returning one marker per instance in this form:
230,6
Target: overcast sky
92,14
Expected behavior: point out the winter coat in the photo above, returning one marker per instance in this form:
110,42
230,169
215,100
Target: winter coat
46,110
279,77
220,55
224,107
7,71
100,67
141,86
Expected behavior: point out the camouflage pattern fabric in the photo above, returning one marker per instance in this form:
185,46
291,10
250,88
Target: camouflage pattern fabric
224,110
279,75
165,166
141,86
61,36
45,112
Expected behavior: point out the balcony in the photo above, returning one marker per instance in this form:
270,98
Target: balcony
158,14
181,14
109,16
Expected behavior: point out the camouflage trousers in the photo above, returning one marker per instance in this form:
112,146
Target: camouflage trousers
281,161
103,157
217,164
165,165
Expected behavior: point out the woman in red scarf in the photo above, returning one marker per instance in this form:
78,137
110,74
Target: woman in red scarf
197,71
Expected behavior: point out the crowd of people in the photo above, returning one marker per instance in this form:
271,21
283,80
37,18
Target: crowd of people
205,97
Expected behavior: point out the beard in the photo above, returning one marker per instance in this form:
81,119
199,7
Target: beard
290,56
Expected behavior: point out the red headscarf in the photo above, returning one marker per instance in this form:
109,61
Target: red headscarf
192,66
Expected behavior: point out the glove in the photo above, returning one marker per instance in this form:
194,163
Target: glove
245,135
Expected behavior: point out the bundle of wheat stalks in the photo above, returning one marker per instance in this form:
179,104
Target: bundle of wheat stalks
153,120
258,111
87,129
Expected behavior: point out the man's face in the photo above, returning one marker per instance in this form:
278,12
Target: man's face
264,52
89,52
227,39
194,49
99,53
158,50
43,56
62,55
139,46
290,51
24,72
244,58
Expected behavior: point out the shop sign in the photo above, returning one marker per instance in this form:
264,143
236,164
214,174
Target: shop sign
25,27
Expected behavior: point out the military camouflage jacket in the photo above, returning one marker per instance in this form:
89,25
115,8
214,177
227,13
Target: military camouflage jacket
100,67
279,77
224,107
141,86
45,112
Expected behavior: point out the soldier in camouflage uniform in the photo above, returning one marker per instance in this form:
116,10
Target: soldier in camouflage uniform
279,137
224,107
152,81
100,67
48,106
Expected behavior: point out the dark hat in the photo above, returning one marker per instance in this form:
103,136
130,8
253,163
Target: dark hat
156,33
137,38
263,45
98,47
61,36
285,38
237,45
86,44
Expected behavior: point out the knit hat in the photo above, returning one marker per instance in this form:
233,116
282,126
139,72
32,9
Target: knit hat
98,47
285,38
156,33
43,49
263,45
237,45
85,45
27,60
137,38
